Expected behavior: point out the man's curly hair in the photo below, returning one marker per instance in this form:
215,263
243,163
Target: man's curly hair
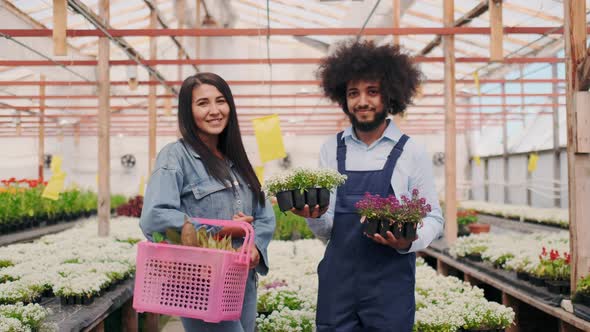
387,64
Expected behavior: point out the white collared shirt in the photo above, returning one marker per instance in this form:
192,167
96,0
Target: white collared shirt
413,170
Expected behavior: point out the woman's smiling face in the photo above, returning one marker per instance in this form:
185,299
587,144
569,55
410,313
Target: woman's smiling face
210,110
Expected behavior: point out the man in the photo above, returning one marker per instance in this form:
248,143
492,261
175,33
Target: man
367,283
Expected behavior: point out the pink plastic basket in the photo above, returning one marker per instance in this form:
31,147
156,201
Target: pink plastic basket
206,284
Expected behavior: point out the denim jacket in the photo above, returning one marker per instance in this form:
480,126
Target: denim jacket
180,186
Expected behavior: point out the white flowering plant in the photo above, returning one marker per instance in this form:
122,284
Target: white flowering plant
302,178
30,317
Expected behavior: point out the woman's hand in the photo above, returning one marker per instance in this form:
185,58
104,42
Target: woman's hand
242,217
254,257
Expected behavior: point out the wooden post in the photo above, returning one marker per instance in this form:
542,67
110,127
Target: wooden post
578,158
556,151
151,322
505,146
129,320
513,303
450,127
471,280
396,19
442,268
565,327
180,8
198,26
152,100
41,148
529,181
497,30
60,23
104,114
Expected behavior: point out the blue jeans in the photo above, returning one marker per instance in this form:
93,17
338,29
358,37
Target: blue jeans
247,322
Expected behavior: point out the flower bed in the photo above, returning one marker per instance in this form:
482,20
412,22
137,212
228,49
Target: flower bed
74,264
540,258
553,216
287,295
21,317
21,205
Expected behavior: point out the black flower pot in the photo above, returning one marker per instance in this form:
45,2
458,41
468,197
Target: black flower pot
285,200
371,226
558,286
384,227
474,257
410,230
582,298
311,197
522,276
536,280
323,197
398,229
298,199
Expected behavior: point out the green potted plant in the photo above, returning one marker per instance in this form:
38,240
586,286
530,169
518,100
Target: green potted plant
583,291
304,186
464,219
556,271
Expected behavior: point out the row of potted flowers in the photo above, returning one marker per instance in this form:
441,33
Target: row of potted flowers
551,216
30,317
75,265
301,186
540,258
287,295
21,205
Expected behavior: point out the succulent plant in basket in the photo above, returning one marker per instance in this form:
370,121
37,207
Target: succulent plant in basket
303,186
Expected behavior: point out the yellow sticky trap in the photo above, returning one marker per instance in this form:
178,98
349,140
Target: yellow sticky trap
141,186
56,162
477,160
54,186
268,136
533,158
476,79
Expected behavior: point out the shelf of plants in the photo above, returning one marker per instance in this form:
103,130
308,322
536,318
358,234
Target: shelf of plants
536,266
23,207
75,265
547,216
287,295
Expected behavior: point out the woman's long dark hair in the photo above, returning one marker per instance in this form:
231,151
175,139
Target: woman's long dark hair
230,139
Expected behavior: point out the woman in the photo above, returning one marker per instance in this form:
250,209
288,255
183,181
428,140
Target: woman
207,174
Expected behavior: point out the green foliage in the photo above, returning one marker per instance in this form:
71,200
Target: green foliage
304,178
290,226
584,285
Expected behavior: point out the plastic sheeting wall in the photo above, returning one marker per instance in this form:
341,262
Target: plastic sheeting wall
517,175
541,180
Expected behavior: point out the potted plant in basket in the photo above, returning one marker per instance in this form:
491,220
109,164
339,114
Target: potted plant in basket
304,186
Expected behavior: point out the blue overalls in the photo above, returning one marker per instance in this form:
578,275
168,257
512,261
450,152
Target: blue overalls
363,285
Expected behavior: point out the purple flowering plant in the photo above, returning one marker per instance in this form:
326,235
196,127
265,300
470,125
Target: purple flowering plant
408,210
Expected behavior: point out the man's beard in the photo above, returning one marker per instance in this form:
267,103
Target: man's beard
368,126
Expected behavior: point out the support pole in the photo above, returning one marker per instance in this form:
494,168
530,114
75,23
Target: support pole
60,23
104,127
505,146
130,318
497,31
41,149
180,9
577,126
556,151
396,19
450,127
511,302
152,101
